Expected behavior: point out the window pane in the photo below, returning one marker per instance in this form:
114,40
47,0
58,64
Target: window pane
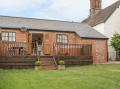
58,40
3,38
14,34
6,34
66,41
61,38
6,38
58,36
10,34
65,37
3,34
13,39
10,38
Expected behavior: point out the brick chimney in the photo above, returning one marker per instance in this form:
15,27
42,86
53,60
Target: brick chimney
95,6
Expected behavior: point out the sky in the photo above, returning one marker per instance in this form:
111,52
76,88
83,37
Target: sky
66,10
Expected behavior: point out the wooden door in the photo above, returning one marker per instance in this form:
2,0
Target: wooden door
29,43
47,49
46,45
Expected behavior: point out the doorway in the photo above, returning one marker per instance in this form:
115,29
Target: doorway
37,44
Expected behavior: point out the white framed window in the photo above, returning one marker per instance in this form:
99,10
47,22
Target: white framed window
8,36
62,38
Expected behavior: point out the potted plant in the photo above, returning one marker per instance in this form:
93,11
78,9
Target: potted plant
61,65
37,65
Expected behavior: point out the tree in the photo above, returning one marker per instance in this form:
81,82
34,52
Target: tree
116,42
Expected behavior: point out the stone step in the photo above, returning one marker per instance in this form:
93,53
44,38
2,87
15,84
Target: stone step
49,67
47,63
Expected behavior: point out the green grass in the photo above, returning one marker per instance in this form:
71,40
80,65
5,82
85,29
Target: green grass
87,77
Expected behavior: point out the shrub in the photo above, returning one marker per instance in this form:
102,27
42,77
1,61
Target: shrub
61,62
38,63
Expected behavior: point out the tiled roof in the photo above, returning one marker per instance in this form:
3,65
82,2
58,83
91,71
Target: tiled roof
83,30
103,15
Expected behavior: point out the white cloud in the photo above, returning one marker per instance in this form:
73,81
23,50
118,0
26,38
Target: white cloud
72,10
75,9
19,5
108,2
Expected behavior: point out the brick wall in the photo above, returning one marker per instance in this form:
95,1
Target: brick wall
20,36
99,47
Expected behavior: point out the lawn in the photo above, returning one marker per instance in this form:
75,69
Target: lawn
87,77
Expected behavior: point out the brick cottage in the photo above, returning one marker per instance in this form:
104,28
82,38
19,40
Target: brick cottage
20,37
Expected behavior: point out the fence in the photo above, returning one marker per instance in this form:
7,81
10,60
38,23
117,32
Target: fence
13,48
73,54
21,48
73,50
